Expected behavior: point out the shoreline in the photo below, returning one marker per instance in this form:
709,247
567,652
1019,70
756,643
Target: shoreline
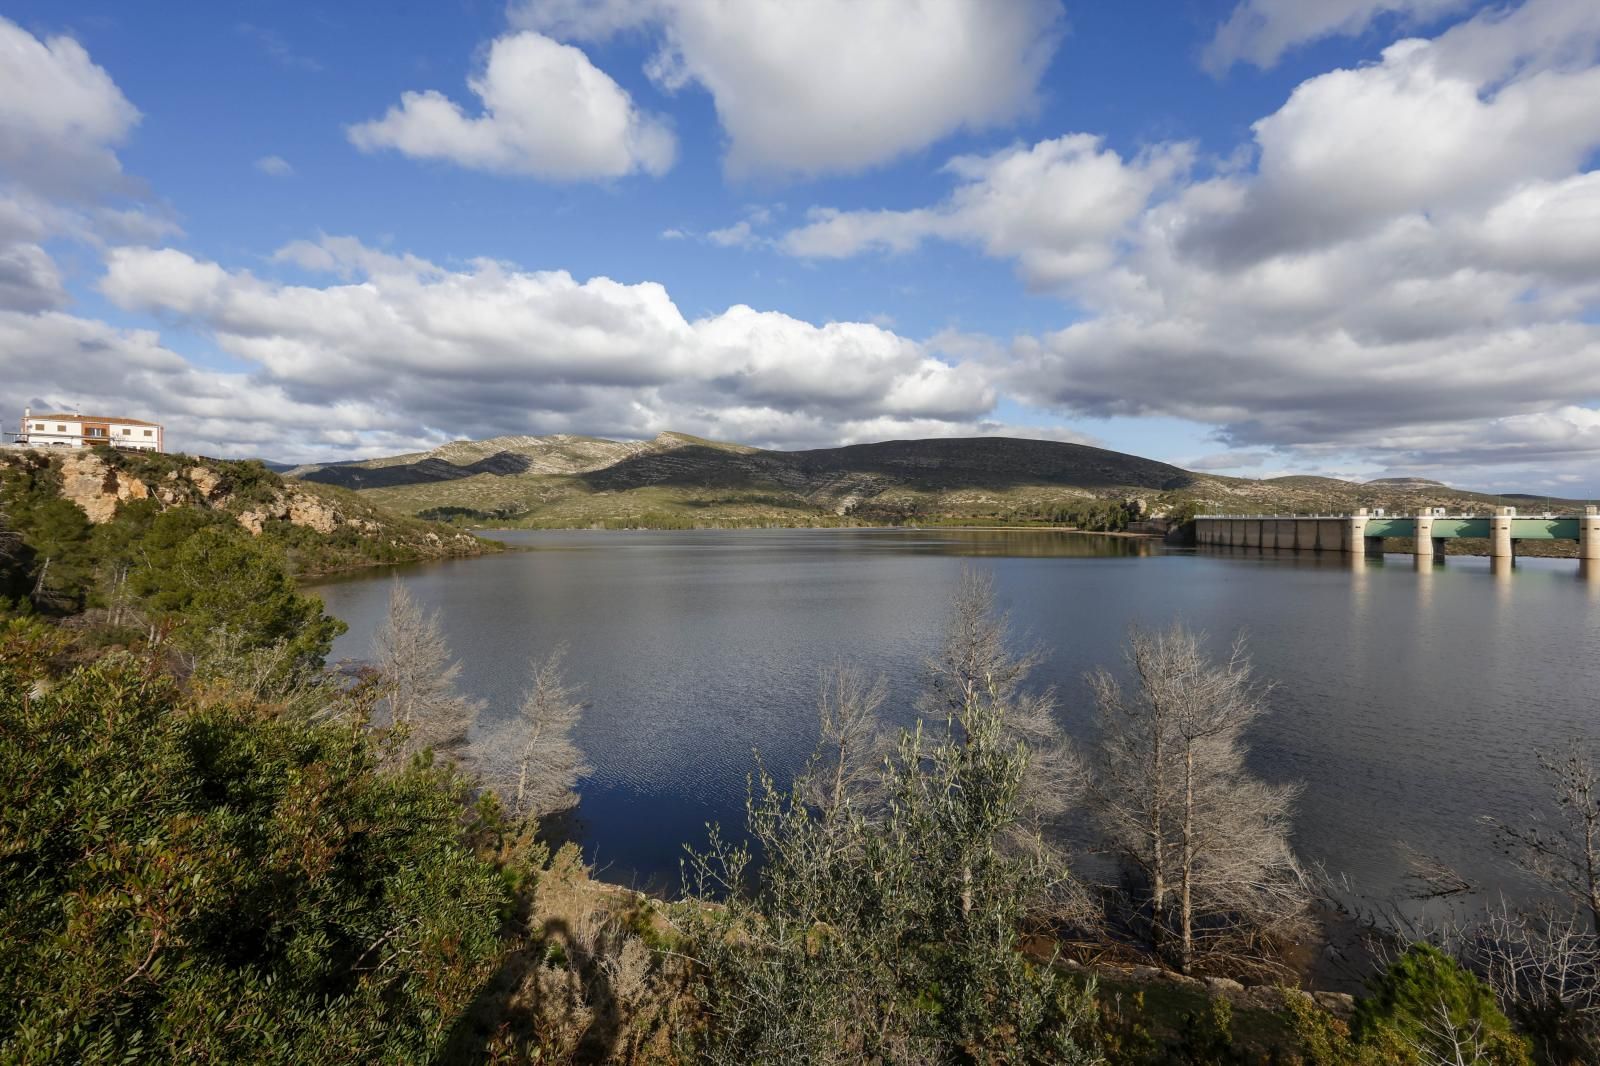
876,529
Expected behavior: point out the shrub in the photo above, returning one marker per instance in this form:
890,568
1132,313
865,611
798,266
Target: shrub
184,881
1431,1003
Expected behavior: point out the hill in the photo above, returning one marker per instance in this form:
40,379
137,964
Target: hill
1415,483
319,528
676,481
558,454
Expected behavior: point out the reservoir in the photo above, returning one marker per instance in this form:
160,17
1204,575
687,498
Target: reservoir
1409,702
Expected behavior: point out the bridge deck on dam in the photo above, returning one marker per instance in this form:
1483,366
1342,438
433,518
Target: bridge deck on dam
1442,528
1364,531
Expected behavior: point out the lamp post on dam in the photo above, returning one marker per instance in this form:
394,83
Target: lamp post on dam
1365,531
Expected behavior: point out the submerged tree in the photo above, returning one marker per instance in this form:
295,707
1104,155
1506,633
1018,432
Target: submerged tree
1544,962
1209,840
532,761
418,679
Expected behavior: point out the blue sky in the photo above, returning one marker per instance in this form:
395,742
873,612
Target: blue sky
1257,237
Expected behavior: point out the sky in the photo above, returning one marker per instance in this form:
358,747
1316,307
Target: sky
1257,237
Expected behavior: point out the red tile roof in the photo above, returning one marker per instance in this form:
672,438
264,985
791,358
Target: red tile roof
46,417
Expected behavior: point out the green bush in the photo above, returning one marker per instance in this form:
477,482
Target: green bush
1425,998
54,562
202,573
216,882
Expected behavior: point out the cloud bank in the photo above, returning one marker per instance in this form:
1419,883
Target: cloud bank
1407,268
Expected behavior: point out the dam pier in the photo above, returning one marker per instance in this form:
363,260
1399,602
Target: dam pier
1365,531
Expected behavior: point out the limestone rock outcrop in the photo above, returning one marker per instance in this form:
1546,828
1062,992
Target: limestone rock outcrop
90,483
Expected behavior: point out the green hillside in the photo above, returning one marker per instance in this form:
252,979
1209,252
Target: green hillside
677,481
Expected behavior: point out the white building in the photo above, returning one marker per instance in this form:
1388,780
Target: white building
88,431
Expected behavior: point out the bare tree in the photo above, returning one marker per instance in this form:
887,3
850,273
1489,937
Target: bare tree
975,666
1564,851
419,697
974,659
11,565
852,741
532,760
1210,840
1445,1040
976,675
9,538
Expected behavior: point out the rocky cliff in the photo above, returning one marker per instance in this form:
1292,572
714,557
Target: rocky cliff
325,528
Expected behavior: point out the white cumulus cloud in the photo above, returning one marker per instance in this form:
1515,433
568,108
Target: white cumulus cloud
495,349
1261,31
61,121
1400,268
832,85
546,111
61,117
1058,208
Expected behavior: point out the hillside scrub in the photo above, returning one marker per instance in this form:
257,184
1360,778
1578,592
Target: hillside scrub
178,575
207,879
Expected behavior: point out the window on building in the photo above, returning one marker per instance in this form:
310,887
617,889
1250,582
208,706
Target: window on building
39,426
61,429
126,432
149,432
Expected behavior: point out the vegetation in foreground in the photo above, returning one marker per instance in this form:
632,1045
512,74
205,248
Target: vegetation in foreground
212,849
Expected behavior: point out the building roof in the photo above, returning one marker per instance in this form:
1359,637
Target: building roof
46,415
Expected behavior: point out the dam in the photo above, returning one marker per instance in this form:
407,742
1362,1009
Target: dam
1365,531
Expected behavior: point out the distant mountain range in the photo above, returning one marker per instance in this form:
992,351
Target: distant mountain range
678,480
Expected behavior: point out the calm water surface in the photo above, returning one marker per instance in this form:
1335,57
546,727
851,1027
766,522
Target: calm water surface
1409,702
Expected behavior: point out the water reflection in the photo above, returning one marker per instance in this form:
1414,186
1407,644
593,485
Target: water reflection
1357,564
1008,543
698,647
1589,576
1424,568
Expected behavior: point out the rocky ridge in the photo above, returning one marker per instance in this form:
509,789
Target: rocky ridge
325,528
97,486
558,454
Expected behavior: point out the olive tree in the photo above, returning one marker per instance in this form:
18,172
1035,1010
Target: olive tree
887,938
1209,840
